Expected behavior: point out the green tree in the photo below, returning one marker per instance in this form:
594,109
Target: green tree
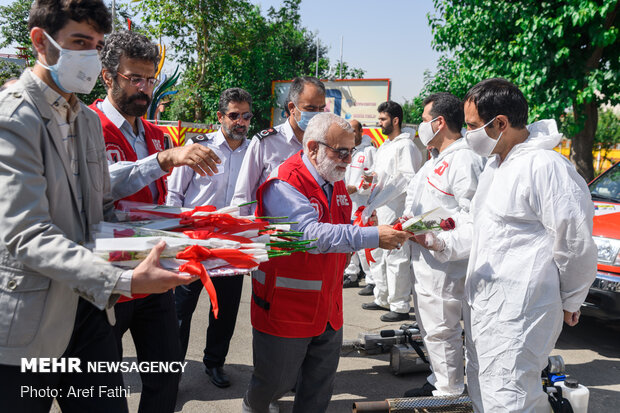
563,54
240,48
9,70
14,27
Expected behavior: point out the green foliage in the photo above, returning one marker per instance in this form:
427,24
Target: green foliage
561,53
608,131
412,110
14,25
9,70
237,46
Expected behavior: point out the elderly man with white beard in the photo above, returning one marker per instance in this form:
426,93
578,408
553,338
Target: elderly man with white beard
297,300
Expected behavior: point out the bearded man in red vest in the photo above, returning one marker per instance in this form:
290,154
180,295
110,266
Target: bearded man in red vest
138,169
297,300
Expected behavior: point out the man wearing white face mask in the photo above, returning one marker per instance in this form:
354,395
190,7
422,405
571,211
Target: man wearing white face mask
449,181
532,255
57,296
396,162
272,146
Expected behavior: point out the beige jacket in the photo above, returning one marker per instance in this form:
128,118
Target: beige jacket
44,266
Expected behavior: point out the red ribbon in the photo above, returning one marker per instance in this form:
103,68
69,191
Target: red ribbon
124,233
235,258
225,223
358,221
196,268
205,234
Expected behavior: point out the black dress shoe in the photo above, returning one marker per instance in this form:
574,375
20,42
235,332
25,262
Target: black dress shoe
218,377
368,290
424,391
393,316
348,283
373,306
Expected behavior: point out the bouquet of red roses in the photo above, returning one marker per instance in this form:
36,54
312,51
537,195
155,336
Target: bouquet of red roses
202,241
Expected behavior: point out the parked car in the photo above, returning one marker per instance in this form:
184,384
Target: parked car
603,300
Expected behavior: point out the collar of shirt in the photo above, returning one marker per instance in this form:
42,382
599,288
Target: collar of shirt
121,123
287,131
68,110
220,140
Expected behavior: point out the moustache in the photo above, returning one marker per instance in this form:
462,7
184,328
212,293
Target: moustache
139,96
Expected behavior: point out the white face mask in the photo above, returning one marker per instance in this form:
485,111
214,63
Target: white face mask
75,71
480,142
425,131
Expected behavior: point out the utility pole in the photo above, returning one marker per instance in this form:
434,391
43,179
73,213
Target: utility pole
316,71
113,15
341,40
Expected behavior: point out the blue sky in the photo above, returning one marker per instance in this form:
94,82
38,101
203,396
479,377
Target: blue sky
388,38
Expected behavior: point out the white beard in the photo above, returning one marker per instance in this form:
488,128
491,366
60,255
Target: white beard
327,169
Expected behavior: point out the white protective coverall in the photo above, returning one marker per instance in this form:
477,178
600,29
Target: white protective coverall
395,161
532,256
448,181
363,158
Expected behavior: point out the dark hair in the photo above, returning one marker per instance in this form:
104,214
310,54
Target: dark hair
130,44
298,84
498,96
393,109
450,107
234,94
53,15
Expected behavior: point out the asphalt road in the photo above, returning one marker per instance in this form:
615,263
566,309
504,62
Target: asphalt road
591,351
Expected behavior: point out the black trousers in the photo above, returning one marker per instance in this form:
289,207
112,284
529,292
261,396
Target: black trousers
220,331
92,340
153,325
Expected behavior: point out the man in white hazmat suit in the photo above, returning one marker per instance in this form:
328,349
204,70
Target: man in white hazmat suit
449,181
532,256
361,160
396,162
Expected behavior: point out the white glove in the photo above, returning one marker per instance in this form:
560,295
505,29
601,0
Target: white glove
430,241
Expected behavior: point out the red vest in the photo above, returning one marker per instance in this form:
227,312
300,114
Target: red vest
118,149
298,295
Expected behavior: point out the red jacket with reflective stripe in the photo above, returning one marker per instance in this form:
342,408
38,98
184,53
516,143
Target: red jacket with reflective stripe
299,294
118,149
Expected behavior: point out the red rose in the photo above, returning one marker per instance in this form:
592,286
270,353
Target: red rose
447,224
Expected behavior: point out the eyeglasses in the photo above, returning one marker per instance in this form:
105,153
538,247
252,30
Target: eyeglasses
235,115
342,152
140,82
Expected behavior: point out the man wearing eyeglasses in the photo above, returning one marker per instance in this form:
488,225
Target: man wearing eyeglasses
272,146
297,300
138,166
188,189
